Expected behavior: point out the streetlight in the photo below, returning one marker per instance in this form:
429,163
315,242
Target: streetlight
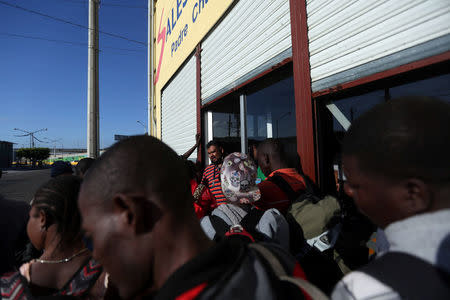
54,144
31,135
142,124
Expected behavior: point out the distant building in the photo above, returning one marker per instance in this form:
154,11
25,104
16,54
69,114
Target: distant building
6,154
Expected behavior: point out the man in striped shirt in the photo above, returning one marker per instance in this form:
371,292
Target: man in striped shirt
211,174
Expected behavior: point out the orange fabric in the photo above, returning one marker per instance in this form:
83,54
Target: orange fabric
192,293
272,196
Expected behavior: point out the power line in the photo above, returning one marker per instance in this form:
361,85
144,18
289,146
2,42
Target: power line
69,22
64,42
42,39
108,4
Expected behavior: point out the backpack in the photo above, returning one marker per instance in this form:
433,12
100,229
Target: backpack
410,276
312,212
331,225
276,267
312,260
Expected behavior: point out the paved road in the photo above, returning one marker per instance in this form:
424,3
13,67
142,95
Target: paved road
21,185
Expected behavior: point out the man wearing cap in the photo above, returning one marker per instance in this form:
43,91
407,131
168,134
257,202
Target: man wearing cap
238,182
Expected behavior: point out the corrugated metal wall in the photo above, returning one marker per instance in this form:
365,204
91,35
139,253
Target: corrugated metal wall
179,109
253,36
352,39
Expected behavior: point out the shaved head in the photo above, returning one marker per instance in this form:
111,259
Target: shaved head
272,147
140,164
406,137
271,156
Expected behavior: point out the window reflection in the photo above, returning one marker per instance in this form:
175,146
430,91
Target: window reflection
226,123
271,111
353,107
438,87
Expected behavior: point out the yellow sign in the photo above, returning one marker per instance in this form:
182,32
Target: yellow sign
179,26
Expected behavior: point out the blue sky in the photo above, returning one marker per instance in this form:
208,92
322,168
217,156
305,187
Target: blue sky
44,84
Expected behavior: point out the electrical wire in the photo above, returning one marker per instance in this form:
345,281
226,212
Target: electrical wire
65,42
69,22
108,4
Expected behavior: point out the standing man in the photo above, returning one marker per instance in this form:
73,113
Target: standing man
211,174
396,160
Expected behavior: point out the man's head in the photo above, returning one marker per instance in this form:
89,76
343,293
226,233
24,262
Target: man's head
215,152
60,168
271,156
396,159
83,165
135,201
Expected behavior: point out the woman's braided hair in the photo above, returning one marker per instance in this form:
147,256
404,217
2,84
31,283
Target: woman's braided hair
58,200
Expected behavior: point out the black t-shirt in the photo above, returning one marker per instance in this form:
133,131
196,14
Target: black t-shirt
13,226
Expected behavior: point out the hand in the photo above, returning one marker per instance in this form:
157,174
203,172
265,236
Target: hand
198,137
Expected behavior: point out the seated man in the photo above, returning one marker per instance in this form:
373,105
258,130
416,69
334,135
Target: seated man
283,184
211,174
396,160
147,237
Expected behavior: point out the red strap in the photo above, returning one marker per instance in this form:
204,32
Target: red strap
192,293
299,273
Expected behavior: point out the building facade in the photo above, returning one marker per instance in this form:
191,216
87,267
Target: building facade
241,71
6,154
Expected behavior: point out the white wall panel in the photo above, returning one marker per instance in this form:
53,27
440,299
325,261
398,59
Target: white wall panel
179,109
370,36
252,34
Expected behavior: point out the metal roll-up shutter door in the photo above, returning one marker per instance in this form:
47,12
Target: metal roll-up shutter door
252,37
353,39
179,109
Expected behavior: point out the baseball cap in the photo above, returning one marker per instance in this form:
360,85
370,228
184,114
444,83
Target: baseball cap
238,176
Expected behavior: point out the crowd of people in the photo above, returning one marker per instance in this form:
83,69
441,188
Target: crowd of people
141,222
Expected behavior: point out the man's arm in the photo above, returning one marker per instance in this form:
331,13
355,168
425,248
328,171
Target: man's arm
190,151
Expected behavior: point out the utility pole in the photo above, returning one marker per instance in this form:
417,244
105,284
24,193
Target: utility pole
54,145
151,126
31,135
93,110
145,128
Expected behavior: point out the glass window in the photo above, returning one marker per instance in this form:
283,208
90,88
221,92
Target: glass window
438,87
331,131
226,124
353,107
271,112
